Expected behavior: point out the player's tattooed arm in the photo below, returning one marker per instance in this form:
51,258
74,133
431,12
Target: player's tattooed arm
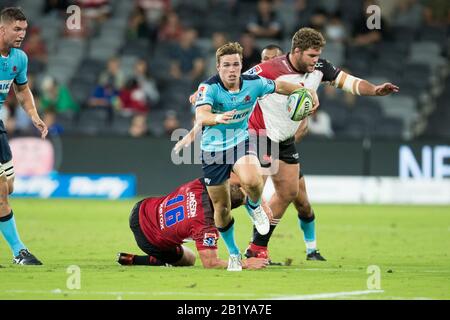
302,130
26,100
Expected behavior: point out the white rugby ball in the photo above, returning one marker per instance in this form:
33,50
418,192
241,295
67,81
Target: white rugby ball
299,104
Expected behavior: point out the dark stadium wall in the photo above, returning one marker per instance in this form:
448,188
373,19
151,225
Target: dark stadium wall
149,159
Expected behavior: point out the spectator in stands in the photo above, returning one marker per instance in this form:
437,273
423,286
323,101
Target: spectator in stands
304,10
50,119
137,25
105,96
146,82
154,10
318,20
362,36
251,54
408,13
320,124
139,127
114,73
171,28
218,39
35,47
56,6
265,23
171,122
335,30
57,96
187,61
437,13
133,99
95,10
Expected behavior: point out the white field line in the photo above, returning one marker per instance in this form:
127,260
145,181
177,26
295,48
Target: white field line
122,293
328,295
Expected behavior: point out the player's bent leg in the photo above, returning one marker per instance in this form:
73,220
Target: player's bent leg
307,221
286,188
220,198
187,260
248,170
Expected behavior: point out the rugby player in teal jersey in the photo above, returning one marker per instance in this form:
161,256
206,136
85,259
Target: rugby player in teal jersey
13,73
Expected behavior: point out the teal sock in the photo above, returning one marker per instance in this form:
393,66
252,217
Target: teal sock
308,227
9,231
227,234
252,204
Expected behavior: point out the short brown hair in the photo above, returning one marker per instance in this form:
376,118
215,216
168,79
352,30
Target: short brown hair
306,38
12,14
229,48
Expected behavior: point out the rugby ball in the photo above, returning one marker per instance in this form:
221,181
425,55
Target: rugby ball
299,104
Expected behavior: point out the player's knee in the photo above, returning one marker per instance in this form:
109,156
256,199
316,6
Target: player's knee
253,185
304,209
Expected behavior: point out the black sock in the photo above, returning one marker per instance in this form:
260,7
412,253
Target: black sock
147,261
262,240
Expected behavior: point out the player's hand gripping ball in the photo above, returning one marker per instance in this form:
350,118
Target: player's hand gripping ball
299,104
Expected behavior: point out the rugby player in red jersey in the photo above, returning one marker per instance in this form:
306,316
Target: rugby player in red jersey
161,224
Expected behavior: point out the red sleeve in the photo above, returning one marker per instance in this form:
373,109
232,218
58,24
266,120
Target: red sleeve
206,238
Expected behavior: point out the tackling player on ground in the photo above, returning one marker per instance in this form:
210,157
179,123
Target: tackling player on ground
160,225
13,72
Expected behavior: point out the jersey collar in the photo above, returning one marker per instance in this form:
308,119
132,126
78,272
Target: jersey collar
291,65
223,86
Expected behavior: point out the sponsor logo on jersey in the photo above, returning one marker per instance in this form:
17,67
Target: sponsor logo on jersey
161,217
191,205
319,64
254,71
210,240
247,99
201,92
5,86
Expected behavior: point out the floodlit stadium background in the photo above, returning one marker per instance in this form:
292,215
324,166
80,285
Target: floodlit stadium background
112,80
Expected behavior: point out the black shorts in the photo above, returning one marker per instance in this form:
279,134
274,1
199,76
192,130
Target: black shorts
169,256
217,166
286,152
5,150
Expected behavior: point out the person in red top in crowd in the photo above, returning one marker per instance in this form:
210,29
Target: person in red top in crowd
160,225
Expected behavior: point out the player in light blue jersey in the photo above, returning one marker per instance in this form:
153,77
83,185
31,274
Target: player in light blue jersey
13,73
223,106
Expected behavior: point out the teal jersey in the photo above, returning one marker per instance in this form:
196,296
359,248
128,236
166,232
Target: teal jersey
13,68
213,92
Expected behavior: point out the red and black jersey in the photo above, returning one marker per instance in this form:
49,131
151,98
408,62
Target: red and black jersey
185,213
270,111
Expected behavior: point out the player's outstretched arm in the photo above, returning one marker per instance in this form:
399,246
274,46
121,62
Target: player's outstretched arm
361,87
26,100
210,259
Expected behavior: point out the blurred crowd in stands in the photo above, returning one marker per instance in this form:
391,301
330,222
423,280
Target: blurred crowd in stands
131,66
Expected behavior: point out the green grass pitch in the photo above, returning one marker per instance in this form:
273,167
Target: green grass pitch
409,244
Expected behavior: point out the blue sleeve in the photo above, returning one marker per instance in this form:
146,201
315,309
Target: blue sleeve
205,95
21,77
267,86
